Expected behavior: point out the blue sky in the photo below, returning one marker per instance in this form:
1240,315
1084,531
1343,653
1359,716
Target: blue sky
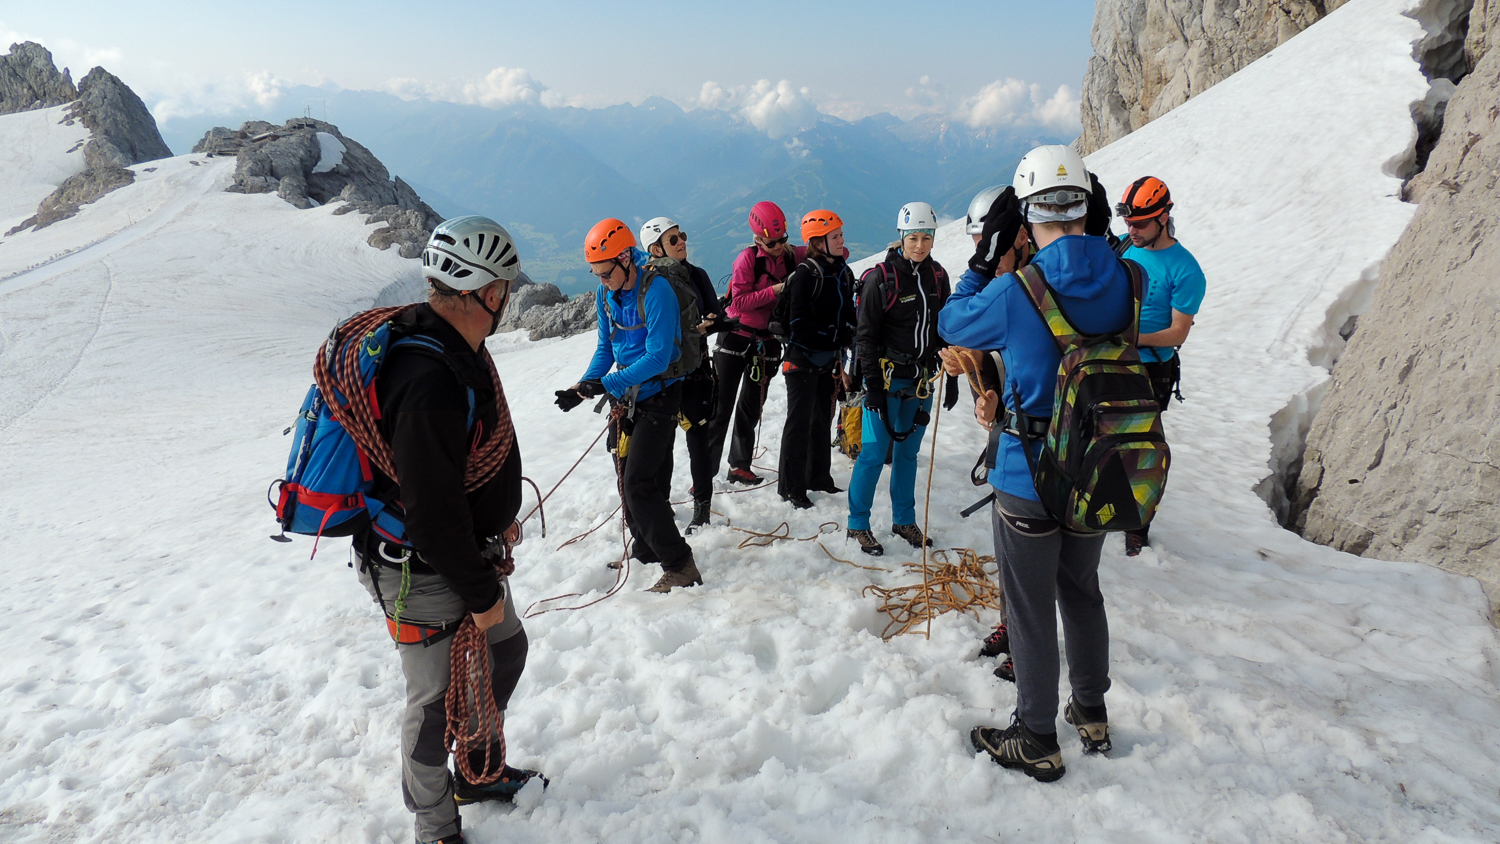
997,61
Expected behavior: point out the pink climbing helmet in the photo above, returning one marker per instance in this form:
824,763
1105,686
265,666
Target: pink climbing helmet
767,221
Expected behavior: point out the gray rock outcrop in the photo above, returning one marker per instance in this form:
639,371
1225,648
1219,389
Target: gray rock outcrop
1403,457
29,80
1151,56
308,162
542,311
122,133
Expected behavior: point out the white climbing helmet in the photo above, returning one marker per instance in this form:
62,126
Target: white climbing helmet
916,215
1052,175
980,206
653,230
466,253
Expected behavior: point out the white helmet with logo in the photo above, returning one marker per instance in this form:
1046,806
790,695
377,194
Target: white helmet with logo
654,229
980,206
916,215
1052,175
467,253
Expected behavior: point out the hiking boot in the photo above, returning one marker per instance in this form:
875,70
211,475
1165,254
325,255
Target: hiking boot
686,576
1134,542
505,789
996,643
866,542
912,534
1092,723
455,838
700,516
1006,670
743,476
829,487
799,500
1034,754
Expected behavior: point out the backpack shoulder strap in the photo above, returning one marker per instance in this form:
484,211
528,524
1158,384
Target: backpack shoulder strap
433,348
1044,299
888,292
1137,293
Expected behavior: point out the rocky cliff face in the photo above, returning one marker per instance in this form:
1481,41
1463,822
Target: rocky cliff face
1403,458
309,162
29,80
123,131
1151,56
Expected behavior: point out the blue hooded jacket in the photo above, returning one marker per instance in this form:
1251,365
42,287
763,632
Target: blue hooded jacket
641,353
1094,291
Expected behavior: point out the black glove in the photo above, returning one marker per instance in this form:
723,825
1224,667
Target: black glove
591,388
568,399
1001,224
950,397
1096,222
875,398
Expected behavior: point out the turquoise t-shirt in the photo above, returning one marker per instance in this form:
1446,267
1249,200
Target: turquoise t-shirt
1174,282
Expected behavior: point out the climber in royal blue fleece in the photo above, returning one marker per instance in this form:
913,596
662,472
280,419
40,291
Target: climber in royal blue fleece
638,338
1043,568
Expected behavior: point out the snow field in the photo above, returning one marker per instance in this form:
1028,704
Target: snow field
175,675
40,153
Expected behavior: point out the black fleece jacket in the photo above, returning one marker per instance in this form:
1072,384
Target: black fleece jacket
424,411
901,319
821,302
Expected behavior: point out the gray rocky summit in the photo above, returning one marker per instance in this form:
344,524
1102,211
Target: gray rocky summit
122,130
309,162
29,80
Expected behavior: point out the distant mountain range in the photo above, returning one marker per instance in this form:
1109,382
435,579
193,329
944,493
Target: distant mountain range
548,174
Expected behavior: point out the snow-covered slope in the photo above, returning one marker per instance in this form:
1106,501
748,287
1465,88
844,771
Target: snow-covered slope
172,675
39,150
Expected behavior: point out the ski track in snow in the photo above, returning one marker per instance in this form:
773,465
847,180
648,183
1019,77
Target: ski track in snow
175,676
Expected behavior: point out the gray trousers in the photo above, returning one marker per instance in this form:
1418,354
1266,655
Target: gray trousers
1044,568
426,784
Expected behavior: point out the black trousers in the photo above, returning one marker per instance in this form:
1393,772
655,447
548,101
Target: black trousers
646,475
805,450
698,406
745,367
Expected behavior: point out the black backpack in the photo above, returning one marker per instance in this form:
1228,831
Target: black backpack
689,345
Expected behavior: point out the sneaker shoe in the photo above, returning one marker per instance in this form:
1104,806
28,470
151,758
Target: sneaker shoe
799,500
866,542
1134,542
505,789
1006,670
912,534
1092,723
743,476
996,643
700,516
686,576
1034,754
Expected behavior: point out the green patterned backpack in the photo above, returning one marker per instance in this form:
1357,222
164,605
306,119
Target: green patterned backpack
1104,462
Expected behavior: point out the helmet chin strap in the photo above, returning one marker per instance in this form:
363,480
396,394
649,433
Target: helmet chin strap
1160,230
496,313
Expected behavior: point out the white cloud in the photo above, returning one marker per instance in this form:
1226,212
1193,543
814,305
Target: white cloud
1012,102
184,96
503,86
779,109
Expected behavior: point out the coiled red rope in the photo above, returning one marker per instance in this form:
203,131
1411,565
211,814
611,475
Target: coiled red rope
473,716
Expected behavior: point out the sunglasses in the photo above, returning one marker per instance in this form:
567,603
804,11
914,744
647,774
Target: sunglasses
1141,224
604,276
674,239
768,243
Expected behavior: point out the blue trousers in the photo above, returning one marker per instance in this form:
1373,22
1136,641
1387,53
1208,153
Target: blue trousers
874,440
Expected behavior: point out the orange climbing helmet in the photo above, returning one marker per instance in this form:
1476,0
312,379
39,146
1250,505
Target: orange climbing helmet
819,223
606,240
1146,197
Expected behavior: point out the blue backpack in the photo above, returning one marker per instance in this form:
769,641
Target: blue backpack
327,490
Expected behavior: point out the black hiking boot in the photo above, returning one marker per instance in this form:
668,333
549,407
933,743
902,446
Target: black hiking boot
1134,542
1092,723
912,534
454,838
1006,670
996,643
866,542
798,500
1034,754
829,487
743,476
686,576
504,790
700,516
